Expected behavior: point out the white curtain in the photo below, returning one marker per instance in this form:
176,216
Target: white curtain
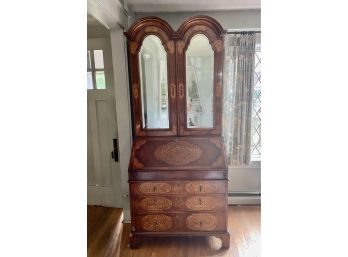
238,79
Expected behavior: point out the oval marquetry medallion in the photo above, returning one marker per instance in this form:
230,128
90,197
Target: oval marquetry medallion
158,222
155,203
201,203
201,222
152,187
200,187
178,153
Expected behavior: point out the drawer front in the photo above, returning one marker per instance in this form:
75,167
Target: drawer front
157,222
179,187
179,203
184,222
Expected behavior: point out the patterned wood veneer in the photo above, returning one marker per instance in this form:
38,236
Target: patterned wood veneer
178,203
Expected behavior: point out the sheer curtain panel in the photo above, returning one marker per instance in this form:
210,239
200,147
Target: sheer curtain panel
238,79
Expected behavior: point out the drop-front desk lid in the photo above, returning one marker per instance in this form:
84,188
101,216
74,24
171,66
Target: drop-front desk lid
177,153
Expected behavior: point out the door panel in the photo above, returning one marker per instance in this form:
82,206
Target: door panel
90,159
103,173
104,142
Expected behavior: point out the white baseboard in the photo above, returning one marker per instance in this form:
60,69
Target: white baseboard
244,200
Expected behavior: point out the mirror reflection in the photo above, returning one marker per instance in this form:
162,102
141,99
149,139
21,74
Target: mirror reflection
199,83
153,83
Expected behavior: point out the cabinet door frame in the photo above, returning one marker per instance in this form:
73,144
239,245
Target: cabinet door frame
214,32
136,35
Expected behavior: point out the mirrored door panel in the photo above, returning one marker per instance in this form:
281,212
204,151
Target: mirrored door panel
153,84
199,83
199,76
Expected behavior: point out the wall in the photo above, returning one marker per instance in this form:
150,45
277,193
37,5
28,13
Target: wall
122,95
97,31
238,19
245,182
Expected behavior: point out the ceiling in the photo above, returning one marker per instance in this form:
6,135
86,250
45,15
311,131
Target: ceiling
191,5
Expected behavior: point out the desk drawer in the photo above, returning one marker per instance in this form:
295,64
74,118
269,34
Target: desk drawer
182,222
179,187
155,203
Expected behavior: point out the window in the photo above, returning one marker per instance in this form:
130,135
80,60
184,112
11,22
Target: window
256,111
95,70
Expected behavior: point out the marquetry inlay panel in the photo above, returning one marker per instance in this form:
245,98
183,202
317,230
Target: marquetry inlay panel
217,142
218,45
201,187
137,164
218,90
202,203
155,203
153,187
199,28
158,222
178,153
172,90
201,221
133,47
135,90
219,162
181,90
151,29
181,46
170,46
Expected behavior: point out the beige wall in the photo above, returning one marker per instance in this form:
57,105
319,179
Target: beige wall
237,19
97,31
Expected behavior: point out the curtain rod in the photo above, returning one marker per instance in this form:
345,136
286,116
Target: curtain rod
235,31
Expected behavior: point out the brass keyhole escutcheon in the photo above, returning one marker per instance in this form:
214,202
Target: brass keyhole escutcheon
200,188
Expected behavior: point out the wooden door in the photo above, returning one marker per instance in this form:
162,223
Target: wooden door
103,172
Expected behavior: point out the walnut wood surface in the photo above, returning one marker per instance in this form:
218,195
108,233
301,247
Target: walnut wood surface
196,187
147,204
177,176
181,222
136,35
175,44
178,153
214,32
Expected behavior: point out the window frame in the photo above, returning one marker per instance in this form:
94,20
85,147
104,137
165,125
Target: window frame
257,162
94,70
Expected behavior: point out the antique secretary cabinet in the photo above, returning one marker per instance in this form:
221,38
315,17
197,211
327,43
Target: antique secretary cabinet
177,169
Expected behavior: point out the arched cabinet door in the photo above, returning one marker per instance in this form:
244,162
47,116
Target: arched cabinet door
199,76
153,91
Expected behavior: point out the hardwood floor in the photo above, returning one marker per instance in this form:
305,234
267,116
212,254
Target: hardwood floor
104,227
107,236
